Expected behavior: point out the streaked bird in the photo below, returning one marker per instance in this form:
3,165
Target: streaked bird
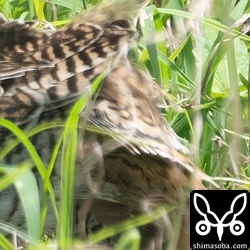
132,157
33,63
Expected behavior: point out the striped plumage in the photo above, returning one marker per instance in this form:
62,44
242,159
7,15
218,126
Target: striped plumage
34,62
43,73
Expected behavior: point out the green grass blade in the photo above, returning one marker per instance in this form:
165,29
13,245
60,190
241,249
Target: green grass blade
28,192
148,28
73,5
32,152
64,229
129,240
8,180
188,82
5,244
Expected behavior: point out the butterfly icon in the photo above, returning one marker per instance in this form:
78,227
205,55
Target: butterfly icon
203,227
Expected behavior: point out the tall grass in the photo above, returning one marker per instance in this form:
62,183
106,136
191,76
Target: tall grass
200,58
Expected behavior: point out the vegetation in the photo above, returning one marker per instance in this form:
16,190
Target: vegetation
196,52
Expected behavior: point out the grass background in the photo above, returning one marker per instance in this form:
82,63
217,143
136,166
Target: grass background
196,52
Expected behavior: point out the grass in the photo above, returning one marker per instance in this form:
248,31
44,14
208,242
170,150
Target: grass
204,68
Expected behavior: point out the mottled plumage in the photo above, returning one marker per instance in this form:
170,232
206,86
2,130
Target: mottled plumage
136,152
34,63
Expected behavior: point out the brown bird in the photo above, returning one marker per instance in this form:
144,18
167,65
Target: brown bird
128,157
145,165
33,63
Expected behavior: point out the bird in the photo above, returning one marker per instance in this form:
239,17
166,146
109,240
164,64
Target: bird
147,164
127,153
33,62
